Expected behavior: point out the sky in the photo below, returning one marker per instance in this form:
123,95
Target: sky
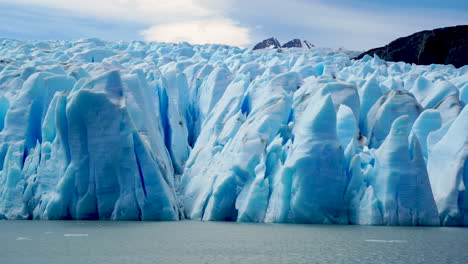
353,24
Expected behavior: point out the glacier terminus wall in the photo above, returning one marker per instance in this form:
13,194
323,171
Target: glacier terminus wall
157,131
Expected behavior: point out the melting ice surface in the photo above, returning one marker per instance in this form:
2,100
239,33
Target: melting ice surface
153,131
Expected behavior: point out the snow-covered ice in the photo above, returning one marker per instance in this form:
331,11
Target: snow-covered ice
158,131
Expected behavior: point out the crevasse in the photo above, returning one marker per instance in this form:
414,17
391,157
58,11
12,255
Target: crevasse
154,131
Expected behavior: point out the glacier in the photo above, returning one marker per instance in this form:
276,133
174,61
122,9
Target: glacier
91,129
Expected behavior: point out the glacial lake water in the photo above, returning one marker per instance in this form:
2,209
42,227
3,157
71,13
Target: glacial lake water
79,242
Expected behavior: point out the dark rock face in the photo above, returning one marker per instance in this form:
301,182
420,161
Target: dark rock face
271,43
439,46
297,43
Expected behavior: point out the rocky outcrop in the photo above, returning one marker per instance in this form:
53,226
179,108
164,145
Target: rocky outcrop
439,46
297,43
271,43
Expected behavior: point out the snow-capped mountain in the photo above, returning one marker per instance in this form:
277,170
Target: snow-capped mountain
297,43
271,43
156,131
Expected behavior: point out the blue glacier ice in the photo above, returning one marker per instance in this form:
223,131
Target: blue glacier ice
91,129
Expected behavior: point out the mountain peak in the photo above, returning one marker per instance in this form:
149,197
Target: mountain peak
271,43
297,43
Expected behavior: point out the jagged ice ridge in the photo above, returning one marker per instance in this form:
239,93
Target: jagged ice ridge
153,131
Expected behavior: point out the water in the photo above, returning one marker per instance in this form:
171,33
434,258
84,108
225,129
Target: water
71,242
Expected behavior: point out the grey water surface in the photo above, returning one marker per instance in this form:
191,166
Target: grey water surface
70,242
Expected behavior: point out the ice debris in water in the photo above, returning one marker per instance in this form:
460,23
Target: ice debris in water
155,131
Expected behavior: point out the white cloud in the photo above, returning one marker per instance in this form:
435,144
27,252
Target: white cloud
353,27
320,21
143,11
195,21
221,31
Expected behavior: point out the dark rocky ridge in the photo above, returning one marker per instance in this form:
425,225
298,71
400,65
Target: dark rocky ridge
439,46
271,43
297,43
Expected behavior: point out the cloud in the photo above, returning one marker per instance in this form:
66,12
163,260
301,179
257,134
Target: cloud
195,21
143,11
327,23
354,24
220,31
27,22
